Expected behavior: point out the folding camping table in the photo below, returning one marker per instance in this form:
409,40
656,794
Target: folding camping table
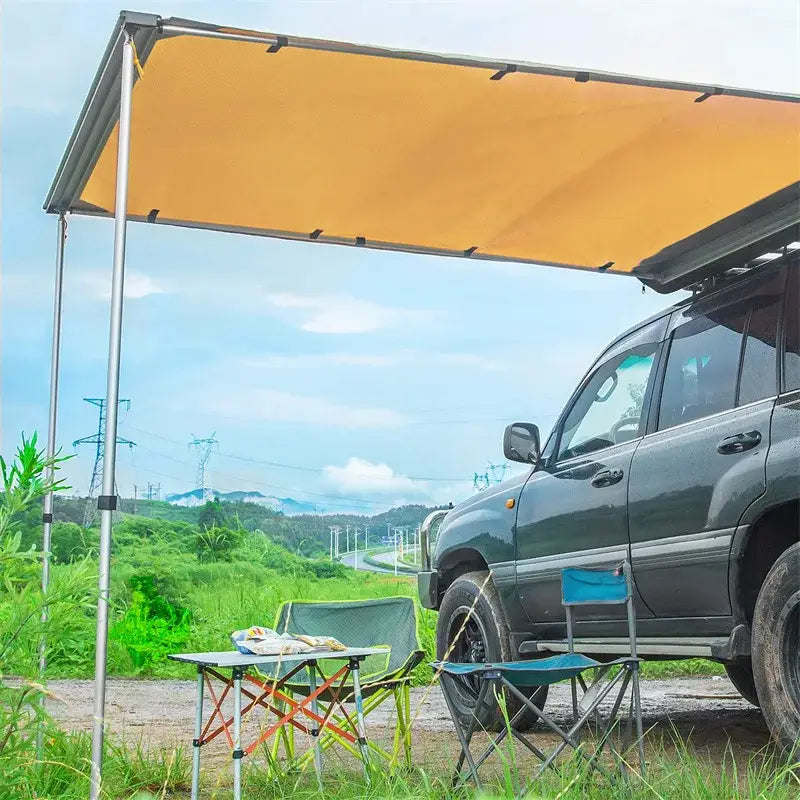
270,695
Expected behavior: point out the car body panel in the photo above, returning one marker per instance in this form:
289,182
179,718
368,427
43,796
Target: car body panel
482,524
685,502
563,520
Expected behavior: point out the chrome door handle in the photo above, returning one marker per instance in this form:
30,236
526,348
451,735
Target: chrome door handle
607,477
739,443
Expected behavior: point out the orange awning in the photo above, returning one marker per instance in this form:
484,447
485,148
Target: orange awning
333,142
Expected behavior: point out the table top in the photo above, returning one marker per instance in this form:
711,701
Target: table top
233,658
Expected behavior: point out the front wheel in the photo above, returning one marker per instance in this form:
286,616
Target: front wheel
472,628
776,649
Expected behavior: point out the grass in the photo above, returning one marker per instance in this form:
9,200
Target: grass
674,773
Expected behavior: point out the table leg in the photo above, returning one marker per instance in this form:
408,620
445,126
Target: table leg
198,731
315,732
361,727
237,733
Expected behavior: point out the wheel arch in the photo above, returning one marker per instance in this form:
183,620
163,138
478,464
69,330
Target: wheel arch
760,546
458,562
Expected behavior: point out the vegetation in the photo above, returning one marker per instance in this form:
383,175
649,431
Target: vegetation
132,772
305,534
22,602
176,585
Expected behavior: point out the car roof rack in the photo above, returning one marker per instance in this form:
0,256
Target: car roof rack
734,274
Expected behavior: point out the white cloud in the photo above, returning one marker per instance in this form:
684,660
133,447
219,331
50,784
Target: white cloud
332,313
137,285
276,406
360,475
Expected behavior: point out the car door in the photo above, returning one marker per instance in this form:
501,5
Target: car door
572,511
704,462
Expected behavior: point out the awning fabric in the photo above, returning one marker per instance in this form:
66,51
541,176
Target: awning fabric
326,141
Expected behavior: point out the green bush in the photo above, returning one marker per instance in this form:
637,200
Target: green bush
217,544
152,626
71,541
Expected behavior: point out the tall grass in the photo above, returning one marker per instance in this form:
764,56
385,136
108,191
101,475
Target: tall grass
129,770
674,773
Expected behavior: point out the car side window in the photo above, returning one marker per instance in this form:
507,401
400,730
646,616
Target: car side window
759,360
702,367
610,408
791,344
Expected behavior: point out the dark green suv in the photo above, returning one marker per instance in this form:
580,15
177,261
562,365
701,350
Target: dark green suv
679,450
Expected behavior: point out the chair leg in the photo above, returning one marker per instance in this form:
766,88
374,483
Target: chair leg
398,728
463,739
637,704
402,731
406,690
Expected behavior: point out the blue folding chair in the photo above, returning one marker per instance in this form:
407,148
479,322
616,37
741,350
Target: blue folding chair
579,587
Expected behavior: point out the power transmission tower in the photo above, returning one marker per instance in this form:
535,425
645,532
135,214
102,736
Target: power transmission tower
493,474
203,447
498,472
480,481
98,439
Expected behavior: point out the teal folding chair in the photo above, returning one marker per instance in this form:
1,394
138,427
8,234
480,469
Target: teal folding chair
389,622
580,587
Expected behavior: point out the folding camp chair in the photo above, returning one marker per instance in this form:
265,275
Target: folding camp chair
390,621
579,587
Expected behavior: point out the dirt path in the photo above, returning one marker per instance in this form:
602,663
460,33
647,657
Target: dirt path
708,712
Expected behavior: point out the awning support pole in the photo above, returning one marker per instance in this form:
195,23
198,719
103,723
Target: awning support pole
47,507
107,502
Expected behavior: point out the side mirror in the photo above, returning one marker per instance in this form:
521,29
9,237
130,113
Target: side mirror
521,443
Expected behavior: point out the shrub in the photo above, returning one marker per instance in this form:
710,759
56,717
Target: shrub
217,544
152,626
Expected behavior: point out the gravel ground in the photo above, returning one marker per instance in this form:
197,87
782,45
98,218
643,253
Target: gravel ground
707,712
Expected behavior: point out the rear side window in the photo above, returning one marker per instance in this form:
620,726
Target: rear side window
791,353
759,361
702,368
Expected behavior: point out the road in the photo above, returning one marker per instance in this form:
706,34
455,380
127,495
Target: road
388,558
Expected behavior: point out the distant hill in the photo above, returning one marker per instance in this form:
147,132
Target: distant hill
285,505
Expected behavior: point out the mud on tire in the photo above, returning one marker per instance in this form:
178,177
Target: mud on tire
776,650
484,636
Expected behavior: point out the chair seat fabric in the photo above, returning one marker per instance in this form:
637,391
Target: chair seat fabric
537,672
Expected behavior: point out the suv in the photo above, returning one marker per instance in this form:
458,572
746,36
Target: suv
680,451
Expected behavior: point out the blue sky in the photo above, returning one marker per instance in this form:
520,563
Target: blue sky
385,377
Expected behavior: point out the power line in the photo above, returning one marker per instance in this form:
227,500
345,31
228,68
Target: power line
301,494
279,465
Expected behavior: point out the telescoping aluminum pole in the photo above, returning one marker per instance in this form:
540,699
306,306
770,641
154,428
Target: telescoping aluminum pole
107,501
47,509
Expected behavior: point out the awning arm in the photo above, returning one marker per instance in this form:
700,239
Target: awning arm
97,119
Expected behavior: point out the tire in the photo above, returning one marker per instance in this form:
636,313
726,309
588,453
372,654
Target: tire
480,637
741,676
776,650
